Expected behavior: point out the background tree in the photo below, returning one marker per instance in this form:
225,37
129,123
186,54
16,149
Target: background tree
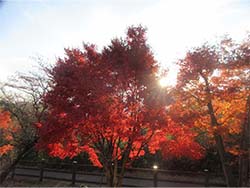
21,96
236,70
213,79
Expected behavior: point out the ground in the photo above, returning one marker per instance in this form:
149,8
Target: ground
33,182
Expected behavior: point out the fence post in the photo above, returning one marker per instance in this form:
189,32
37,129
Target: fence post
41,170
206,177
155,170
13,172
74,163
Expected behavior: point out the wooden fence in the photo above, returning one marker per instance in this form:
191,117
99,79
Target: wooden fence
89,175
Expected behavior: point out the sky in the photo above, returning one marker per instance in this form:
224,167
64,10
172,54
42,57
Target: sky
32,28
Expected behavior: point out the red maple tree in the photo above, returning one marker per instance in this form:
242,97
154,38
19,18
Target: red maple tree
105,103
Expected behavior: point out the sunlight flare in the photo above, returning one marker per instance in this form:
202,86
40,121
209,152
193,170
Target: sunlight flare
164,82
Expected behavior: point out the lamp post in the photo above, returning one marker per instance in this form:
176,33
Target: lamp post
155,170
73,181
206,171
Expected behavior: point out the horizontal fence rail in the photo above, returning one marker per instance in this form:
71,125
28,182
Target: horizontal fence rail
87,174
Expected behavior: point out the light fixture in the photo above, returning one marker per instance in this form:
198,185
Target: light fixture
155,167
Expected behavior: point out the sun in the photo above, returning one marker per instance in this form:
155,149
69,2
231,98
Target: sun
164,82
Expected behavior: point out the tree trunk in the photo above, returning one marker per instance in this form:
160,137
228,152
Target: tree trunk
109,178
245,143
111,175
120,177
124,161
115,174
227,169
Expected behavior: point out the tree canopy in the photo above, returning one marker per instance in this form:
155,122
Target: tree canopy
107,104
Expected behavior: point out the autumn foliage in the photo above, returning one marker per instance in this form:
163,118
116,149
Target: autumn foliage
106,104
213,88
6,131
219,77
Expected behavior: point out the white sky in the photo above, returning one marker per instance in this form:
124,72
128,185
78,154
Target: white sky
44,27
